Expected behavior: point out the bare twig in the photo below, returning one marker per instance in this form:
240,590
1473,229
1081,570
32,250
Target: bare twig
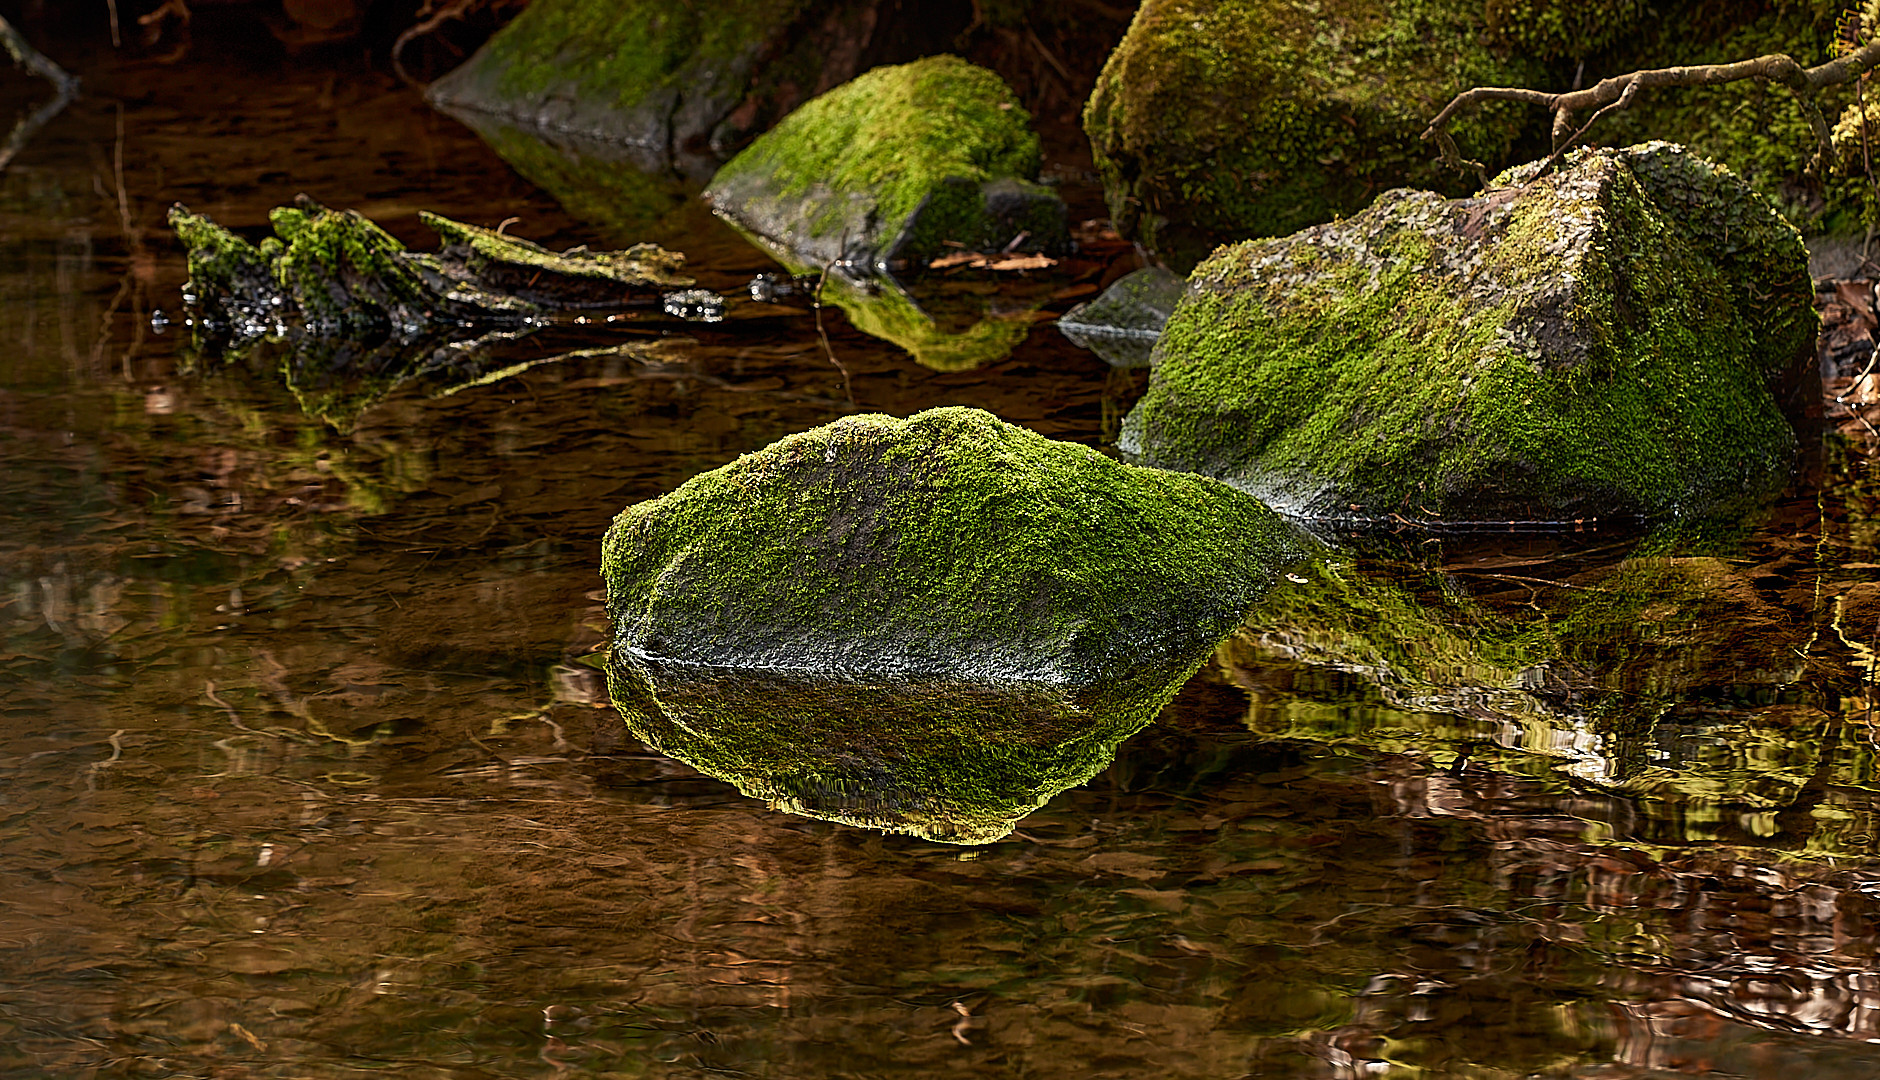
65,85
1619,92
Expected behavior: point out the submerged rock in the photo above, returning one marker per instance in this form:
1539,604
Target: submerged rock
896,166
1123,324
919,557
1217,120
1619,338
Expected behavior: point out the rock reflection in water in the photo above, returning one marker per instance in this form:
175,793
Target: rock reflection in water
947,760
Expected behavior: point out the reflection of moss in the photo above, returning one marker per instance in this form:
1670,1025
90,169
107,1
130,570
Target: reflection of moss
949,761
613,188
884,310
1397,658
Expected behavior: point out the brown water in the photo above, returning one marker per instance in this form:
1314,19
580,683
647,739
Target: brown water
299,777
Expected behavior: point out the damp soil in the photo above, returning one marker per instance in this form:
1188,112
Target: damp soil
301,774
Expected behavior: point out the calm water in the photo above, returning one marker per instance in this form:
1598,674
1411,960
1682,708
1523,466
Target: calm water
299,777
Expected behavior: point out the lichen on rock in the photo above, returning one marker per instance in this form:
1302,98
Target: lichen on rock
898,165
1615,339
918,557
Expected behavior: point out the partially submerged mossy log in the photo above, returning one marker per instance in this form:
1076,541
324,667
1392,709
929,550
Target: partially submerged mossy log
334,273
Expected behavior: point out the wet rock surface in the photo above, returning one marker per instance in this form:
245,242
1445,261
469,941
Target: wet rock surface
1629,336
895,167
1122,325
947,545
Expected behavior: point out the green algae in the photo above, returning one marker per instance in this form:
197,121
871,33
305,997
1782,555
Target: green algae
1015,605
1599,343
901,163
1218,120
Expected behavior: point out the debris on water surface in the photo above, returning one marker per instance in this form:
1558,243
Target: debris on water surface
694,305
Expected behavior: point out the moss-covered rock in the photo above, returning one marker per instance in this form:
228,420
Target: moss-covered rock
644,73
1122,324
1219,120
948,559
1616,339
898,165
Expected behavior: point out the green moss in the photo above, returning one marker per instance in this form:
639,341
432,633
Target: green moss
1598,353
339,269
1216,120
619,69
1755,128
1555,30
892,164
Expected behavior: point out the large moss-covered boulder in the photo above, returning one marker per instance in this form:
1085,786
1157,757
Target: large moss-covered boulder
1619,338
1015,605
895,167
1218,120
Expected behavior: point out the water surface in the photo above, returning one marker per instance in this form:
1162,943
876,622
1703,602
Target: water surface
300,776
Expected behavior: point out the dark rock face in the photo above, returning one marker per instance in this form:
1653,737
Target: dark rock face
1015,605
1122,325
1621,338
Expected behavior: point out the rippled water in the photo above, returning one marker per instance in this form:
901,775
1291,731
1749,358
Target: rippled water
300,776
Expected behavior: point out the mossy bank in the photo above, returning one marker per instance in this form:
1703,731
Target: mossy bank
1618,339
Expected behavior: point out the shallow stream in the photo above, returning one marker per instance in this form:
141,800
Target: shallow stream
300,775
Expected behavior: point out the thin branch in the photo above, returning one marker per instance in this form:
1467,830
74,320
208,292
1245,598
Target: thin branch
1619,91
36,62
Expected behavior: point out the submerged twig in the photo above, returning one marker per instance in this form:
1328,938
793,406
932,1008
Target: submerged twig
816,304
36,62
